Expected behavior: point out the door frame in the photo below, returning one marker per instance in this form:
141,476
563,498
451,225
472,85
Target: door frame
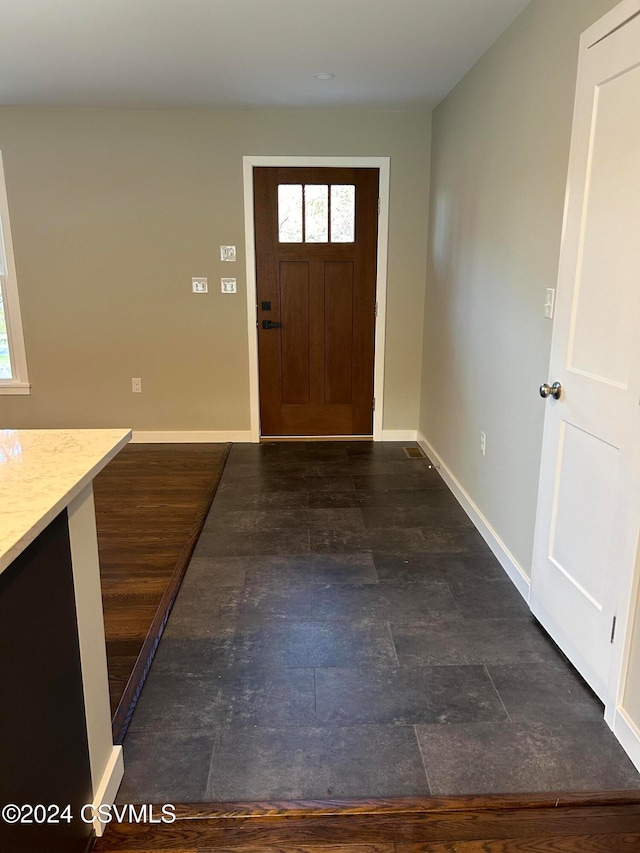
628,591
383,166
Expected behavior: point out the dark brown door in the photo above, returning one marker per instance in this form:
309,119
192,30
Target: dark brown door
316,246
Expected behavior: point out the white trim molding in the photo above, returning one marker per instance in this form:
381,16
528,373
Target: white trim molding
108,787
105,759
383,165
19,383
506,559
628,734
609,23
189,436
9,386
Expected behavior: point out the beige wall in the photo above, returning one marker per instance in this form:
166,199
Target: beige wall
113,212
499,161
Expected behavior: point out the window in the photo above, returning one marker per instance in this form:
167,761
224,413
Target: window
13,362
316,213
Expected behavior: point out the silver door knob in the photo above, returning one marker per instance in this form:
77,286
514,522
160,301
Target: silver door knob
554,390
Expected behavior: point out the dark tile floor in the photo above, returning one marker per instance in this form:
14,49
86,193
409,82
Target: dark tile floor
343,631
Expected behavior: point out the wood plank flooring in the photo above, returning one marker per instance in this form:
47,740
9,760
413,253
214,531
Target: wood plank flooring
600,823
151,502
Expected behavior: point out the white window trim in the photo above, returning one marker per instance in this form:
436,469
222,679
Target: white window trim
19,383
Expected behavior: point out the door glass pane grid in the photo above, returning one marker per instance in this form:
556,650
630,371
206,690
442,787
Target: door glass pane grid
316,213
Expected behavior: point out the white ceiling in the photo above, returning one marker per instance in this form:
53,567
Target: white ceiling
243,53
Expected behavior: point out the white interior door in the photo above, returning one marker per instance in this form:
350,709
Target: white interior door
589,507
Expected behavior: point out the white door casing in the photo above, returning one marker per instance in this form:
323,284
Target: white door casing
383,166
589,499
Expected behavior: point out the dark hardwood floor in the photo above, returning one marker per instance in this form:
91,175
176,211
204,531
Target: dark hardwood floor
151,502
603,823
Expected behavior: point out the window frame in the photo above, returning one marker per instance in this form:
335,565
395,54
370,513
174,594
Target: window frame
19,382
304,241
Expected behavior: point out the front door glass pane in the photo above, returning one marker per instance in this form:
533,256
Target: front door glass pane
316,213
343,213
290,213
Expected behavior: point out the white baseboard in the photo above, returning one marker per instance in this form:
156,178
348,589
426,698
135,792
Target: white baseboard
108,787
399,435
506,559
628,734
189,436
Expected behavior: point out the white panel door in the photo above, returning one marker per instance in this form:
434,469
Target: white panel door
588,507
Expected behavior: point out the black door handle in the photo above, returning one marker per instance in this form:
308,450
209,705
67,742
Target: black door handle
269,324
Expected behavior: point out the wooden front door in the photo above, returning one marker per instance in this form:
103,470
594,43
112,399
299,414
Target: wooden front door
316,245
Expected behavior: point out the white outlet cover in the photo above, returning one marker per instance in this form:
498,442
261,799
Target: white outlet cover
199,285
228,253
228,285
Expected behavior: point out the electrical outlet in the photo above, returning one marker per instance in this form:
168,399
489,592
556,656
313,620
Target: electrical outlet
199,285
227,253
136,386
228,285
483,443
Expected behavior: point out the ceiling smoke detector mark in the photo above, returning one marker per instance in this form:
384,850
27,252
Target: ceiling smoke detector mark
199,285
228,253
228,285
324,75
414,453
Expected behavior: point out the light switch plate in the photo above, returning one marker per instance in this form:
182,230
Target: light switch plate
199,285
227,253
228,285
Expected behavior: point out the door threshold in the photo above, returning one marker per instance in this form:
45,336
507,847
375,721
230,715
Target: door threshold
316,438
465,822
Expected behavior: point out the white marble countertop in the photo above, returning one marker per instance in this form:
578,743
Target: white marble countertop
41,471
